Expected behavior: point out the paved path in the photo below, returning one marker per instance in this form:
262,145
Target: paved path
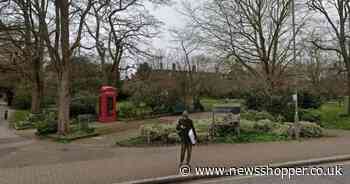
8,139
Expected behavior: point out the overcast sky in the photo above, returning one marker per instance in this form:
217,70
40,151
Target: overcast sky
171,19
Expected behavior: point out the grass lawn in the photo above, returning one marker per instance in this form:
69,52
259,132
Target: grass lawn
72,136
17,116
332,118
208,103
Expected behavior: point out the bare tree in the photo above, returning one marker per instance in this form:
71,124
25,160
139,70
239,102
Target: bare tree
57,34
188,45
97,33
255,33
336,14
20,36
119,34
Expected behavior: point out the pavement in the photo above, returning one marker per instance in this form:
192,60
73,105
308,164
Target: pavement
8,139
46,162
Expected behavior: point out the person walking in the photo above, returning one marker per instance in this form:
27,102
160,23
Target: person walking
188,137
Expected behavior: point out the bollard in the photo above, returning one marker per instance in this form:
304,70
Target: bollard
6,114
346,104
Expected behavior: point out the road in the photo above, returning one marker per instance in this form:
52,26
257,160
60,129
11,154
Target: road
344,179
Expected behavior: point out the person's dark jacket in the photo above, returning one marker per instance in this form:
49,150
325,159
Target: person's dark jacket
183,127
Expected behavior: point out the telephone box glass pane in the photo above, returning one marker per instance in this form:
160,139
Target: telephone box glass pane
110,106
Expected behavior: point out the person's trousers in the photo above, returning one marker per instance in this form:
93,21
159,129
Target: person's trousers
186,148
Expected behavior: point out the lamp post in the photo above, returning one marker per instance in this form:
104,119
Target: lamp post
295,97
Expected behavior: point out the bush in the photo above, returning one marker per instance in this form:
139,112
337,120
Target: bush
167,133
254,100
130,110
281,104
22,100
256,116
83,105
28,122
310,115
308,100
309,129
174,138
18,116
157,132
48,125
126,110
48,101
264,126
281,129
153,95
202,125
247,125
260,101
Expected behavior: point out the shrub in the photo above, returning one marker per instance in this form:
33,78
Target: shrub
202,125
29,121
83,105
17,116
308,129
310,115
166,133
256,116
48,125
48,100
157,132
126,110
21,125
224,131
264,126
289,112
174,138
179,107
281,129
198,106
281,104
22,100
247,125
130,110
308,100
254,100
153,95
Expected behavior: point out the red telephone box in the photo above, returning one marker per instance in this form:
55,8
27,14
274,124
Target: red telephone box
108,99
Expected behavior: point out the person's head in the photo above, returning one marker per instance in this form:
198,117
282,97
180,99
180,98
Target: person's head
185,114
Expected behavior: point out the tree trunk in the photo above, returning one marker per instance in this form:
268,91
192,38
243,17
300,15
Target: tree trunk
36,99
63,103
64,74
37,87
104,71
117,78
